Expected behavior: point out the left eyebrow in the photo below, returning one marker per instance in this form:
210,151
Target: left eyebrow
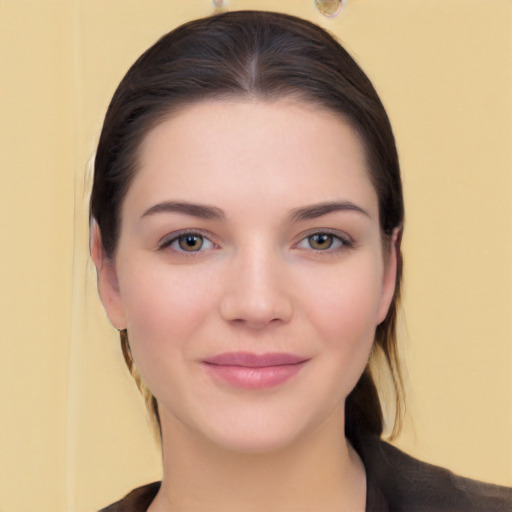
317,210
200,211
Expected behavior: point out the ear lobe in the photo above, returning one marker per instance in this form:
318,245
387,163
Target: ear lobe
108,285
390,272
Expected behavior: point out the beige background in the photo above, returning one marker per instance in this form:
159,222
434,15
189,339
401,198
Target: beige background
73,435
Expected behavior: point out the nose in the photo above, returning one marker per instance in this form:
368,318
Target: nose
257,293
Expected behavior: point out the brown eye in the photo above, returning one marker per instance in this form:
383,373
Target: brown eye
329,243
321,241
190,242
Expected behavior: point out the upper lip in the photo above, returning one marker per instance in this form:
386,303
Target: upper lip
251,360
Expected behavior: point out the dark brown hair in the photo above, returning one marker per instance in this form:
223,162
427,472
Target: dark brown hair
250,54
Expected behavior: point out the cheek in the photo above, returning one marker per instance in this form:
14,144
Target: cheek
157,294
347,298
163,309
344,311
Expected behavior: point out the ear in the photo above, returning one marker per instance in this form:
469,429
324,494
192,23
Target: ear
108,286
391,261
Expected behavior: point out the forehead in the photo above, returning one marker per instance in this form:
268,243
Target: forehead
285,151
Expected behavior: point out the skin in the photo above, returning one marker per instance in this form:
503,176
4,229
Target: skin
258,284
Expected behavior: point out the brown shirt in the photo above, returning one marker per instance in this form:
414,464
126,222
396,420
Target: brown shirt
395,482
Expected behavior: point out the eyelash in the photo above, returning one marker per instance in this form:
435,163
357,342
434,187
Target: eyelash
341,242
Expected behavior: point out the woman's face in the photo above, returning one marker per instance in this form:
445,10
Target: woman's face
249,271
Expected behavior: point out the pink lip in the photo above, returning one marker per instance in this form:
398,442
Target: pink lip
254,371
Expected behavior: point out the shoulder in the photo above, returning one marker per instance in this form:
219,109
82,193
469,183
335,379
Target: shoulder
396,482
137,500
404,483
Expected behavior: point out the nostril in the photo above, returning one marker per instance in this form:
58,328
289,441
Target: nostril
256,314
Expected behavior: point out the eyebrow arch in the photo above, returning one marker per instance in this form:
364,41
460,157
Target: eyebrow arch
201,211
317,210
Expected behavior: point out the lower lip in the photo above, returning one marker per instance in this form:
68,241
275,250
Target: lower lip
254,378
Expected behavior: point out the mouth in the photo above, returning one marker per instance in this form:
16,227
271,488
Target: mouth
254,371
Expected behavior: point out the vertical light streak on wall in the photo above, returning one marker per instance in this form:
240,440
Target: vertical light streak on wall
78,268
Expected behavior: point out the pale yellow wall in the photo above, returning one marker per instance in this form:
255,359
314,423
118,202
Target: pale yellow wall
73,434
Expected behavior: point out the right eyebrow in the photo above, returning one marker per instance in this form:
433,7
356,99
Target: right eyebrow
200,211
318,210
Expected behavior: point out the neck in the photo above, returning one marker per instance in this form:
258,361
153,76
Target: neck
320,473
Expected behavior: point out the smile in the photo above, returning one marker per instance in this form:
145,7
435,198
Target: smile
254,371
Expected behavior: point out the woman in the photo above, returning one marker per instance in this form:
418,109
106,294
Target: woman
246,218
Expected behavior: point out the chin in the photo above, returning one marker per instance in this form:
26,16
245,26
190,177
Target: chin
253,442
256,431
